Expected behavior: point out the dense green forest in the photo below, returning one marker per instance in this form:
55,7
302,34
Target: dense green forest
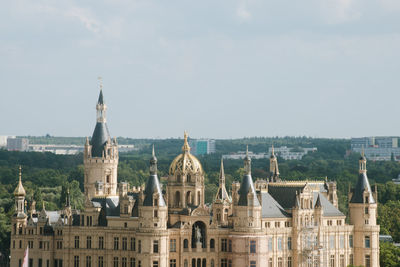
46,176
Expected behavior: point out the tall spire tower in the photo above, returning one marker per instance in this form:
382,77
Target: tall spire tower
222,203
100,156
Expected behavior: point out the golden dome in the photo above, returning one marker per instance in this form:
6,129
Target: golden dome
19,191
185,162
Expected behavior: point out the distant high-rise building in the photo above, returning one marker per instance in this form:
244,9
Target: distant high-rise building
377,148
17,144
203,146
3,140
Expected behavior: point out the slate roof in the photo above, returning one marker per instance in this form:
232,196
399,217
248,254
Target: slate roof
111,205
153,186
246,186
99,139
100,101
328,208
358,192
271,208
285,195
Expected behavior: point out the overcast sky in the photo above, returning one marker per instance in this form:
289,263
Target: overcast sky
220,69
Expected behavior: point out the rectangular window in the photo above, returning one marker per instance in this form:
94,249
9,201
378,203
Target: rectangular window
40,263
101,242
155,246
367,261
88,261
367,242
124,262
270,262
351,241
289,243
116,243
351,260
253,264
132,262
332,261
224,263
366,210
124,243
252,246
76,241
280,243
280,262
270,244
133,244
155,263
224,245
88,242
331,241
341,261
101,261
139,247
230,245
116,262
289,261
341,241
172,245
139,263
76,261
172,263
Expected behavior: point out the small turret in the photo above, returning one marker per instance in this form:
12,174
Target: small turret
222,204
247,192
19,194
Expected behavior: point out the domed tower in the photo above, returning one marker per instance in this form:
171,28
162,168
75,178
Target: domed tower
273,167
363,213
247,210
222,203
186,181
100,158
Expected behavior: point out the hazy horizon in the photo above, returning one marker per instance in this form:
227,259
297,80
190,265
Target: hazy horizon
218,69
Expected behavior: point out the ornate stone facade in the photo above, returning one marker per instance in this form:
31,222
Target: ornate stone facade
269,222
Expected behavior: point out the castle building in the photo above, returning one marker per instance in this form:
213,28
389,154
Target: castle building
269,222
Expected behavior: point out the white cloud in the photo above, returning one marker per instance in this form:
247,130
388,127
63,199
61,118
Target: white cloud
242,11
85,17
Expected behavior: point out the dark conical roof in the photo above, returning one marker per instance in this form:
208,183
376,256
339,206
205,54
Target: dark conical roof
318,202
361,186
100,101
99,139
247,186
153,186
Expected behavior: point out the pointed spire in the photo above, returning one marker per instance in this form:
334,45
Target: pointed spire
153,163
100,101
20,191
185,147
247,162
222,194
272,150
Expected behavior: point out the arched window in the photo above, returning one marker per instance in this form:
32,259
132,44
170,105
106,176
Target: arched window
177,199
185,243
212,243
189,197
185,264
212,262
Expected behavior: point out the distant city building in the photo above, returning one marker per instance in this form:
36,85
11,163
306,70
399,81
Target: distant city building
292,153
203,146
377,148
17,144
3,139
284,152
69,149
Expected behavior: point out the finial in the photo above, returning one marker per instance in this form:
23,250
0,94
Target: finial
43,206
100,82
153,153
222,172
186,147
362,151
272,150
20,173
247,151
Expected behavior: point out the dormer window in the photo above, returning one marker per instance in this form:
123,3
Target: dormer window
366,200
